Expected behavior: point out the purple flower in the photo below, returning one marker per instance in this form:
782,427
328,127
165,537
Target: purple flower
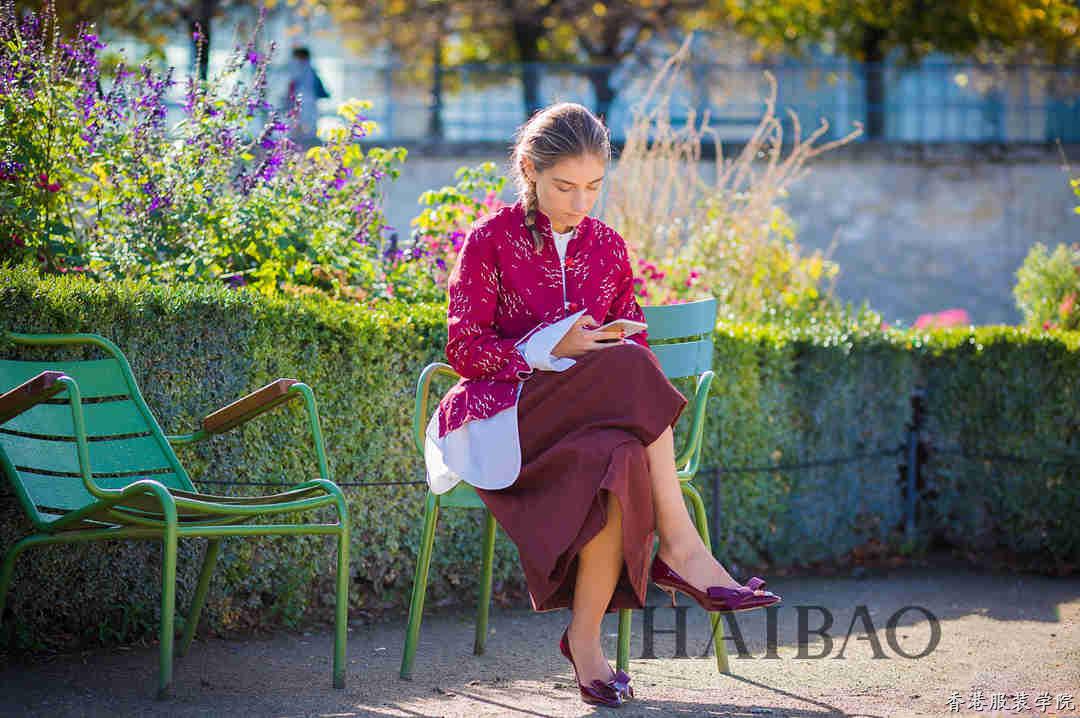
253,57
440,263
9,170
190,93
92,40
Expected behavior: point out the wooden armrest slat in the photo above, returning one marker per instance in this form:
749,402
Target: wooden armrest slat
29,393
248,407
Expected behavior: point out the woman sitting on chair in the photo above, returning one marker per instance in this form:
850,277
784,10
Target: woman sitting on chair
563,427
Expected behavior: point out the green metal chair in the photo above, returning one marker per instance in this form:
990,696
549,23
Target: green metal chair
691,325
94,465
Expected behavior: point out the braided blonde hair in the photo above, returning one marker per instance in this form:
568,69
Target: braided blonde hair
566,129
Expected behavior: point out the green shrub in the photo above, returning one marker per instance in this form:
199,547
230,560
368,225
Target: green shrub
1002,420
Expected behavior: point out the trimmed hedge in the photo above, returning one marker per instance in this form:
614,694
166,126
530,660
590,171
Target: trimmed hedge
781,397
1003,427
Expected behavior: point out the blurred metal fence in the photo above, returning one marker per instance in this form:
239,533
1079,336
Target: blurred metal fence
929,102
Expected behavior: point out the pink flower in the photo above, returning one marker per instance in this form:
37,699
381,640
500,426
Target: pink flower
1067,304
492,202
947,318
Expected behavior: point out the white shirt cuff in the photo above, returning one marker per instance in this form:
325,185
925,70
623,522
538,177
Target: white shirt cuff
538,347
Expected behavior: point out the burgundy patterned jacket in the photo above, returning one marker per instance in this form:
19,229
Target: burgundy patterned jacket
502,290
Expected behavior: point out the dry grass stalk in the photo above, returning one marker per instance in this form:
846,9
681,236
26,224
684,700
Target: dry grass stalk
665,208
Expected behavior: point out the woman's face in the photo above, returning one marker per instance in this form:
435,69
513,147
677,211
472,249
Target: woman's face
567,191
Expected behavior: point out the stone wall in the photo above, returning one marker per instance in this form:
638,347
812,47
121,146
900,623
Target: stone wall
914,228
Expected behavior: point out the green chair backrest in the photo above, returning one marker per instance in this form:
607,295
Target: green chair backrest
693,323
38,448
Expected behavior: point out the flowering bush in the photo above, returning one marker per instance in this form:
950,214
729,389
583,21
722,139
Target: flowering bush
419,271
96,180
763,278
726,236
1047,287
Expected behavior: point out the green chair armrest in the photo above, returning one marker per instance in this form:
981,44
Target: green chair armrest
423,393
257,403
30,393
242,410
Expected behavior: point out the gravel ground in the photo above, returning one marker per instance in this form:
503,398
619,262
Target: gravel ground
999,633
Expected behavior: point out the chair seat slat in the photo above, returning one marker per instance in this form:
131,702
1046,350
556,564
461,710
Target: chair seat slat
67,493
462,496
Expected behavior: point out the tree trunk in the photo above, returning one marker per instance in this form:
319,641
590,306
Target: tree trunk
600,77
527,36
201,20
435,122
873,57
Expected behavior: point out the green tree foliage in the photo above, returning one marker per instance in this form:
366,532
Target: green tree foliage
435,34
869,30
150,21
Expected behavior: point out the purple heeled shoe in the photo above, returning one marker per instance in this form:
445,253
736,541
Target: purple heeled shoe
714,598
598,693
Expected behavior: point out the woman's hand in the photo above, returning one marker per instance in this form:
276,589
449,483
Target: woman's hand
581,339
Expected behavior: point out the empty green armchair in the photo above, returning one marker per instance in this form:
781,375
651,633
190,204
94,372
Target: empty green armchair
88,462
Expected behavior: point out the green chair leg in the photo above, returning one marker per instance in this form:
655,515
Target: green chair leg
213,549
702,522
622,657
423,563
168,608
341,606
484,600
7,569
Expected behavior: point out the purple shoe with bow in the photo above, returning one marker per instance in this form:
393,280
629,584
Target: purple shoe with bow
598,693
713,598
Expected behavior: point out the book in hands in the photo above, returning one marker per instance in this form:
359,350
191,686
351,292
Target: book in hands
629,327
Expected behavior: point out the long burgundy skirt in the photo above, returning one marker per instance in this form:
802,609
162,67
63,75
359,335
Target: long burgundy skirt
583,433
